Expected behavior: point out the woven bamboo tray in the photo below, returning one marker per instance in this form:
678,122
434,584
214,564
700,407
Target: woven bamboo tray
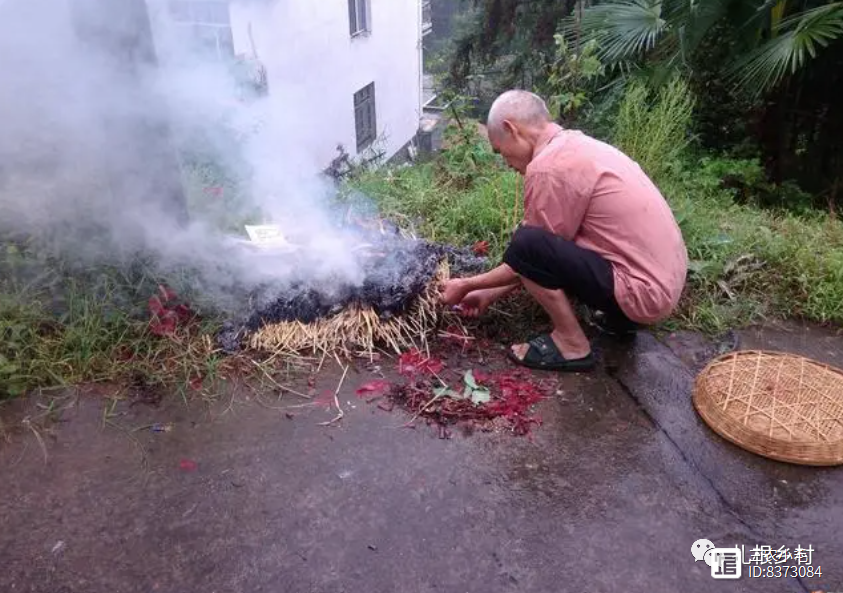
778,405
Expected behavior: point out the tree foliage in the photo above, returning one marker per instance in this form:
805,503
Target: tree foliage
513,35
777,37
767,74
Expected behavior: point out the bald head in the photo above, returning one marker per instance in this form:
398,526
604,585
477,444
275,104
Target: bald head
518,107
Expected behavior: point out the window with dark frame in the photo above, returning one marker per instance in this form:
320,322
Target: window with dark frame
358,17
365,117
427,17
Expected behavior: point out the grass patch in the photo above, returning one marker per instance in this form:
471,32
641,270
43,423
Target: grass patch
748,264
420,199
91,340
464,195
664,117
61,327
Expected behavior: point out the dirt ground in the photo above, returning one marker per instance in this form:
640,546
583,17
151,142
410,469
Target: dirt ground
252,494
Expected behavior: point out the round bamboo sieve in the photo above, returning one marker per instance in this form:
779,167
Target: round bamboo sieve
778,405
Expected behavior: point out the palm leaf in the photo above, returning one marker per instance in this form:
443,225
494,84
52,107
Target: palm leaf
624,30
694,21
794,41
777,14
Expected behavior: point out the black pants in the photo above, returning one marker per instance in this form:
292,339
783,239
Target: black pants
556,263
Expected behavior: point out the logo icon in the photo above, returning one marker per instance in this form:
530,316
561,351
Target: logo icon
725,563
700,547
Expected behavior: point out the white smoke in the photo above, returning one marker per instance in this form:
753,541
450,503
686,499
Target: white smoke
88,151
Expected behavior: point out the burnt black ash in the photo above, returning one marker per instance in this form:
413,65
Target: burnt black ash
396,273
393,278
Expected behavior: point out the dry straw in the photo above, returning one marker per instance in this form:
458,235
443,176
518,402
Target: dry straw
778,405
357,330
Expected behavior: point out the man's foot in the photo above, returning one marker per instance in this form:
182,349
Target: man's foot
542,353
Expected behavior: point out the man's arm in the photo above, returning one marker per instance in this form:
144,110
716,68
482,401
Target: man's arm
499,277
502,277
502,291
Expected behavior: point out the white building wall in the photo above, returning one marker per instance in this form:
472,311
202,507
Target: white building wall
314,67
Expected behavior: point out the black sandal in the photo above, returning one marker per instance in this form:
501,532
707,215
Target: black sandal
543,355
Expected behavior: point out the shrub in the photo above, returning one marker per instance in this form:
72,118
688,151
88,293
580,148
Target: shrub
652,128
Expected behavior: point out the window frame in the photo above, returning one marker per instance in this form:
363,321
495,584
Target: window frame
190,15
365,106
427,13
356,10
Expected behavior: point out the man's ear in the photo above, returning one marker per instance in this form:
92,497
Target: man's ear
510,128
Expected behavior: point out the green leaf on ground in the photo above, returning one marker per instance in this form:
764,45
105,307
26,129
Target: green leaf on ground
477,394
469,379
481,396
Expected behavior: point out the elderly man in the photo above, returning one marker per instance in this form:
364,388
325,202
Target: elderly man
595,228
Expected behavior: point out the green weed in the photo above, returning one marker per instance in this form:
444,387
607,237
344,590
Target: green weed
653,130
420,199
92,329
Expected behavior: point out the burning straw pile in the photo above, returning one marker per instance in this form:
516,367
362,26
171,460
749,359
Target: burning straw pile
395,305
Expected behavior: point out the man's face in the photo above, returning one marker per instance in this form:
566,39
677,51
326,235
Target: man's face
512,145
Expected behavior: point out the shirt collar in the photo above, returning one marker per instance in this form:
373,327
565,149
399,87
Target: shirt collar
546,138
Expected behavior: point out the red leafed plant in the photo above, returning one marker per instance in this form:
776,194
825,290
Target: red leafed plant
166,313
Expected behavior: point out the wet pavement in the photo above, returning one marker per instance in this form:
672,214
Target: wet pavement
607,495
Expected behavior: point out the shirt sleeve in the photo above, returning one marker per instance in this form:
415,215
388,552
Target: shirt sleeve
555,203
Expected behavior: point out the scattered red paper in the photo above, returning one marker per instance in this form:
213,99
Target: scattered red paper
183,313
167,293
156,307
163,325
188,465
413,362
481,248
373,388
215,191
513,395
518,393
482,377
325,399
197,382
167,316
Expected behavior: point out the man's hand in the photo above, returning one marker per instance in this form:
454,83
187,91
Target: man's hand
454,291
475,303
493,285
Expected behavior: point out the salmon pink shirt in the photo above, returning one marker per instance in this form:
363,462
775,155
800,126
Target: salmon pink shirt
594,195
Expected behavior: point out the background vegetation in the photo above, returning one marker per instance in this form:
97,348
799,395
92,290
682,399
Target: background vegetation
766,75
